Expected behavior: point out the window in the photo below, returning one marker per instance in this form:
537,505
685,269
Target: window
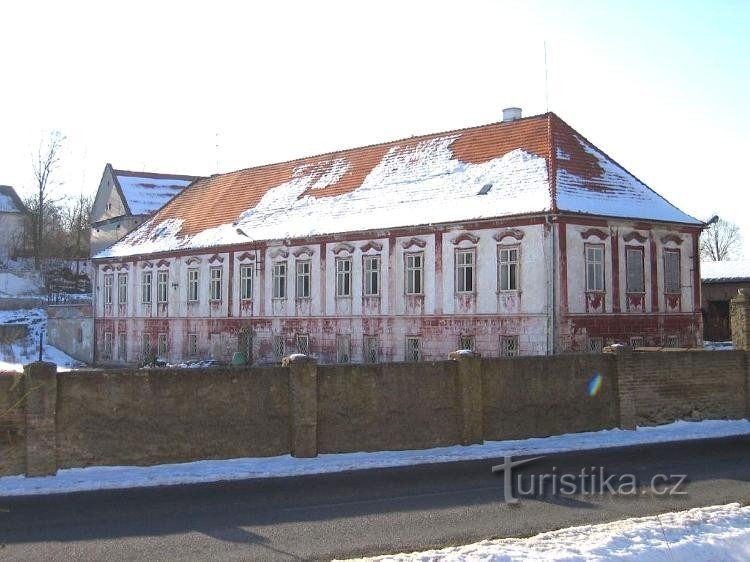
466,342
595,268
635,281
122,346
596,345
509,346
371,267
673,341
371,349
465,271
413,349
122,288
215,285
672,271
107,345
343,349
109,280
161,349
636,342
279,280
303,279
146,347
146,287
79,334
303,344
192,345
192,285
508,268
414,273
278,346
343,277
162,282
246,282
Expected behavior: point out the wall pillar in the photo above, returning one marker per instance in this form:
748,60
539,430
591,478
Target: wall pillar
303,405
624,368
739,320
40,404
470,398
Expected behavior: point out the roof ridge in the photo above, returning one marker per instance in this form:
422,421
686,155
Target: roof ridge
154,175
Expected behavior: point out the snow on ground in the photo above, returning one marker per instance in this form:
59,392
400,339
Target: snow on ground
704,533
718,345
114,477
13,356
20,284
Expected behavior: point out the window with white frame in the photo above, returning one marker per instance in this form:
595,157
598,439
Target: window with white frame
122,288
414,266
466,342
109,281
672,271
278,346
162,284
371,353
278,279
107,351
161,346
122,346
343,348
146,277
465,261
192,345
595,267
509,346
371,269
215,283
303,344
635,281
413,349
507,268
303,279
246,282
343,277
192,287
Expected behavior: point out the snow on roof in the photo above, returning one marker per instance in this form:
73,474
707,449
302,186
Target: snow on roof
485,172
725,271
9,200
146,193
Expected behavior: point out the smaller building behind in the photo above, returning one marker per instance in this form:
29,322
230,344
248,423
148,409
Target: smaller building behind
720,282
14,218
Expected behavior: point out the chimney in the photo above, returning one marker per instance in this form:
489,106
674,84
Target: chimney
511,114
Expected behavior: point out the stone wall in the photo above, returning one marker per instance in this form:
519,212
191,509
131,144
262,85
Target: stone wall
70,328
140,417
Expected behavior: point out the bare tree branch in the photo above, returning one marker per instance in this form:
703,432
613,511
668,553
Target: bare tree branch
721,241
44,165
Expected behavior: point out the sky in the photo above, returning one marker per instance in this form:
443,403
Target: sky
199,88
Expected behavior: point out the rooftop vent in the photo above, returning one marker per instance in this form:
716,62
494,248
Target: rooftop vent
511,114
485,189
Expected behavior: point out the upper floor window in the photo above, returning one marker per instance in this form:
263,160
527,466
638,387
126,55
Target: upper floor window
672,271
278,277
371,268
635,280
414,273
246,282
162,282
109,281
465,270
303,279
122,288
215,285
343,277
595,267
192,285
146,287
507,259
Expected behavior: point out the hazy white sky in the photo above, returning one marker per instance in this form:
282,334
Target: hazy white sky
200,87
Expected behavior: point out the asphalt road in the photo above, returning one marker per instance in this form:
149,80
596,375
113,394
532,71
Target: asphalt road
360,512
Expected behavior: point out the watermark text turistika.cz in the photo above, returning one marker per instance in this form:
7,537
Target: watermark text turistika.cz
593,480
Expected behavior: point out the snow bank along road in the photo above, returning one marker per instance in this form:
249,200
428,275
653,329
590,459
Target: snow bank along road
359,512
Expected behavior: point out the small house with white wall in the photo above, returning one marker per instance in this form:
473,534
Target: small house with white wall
14,220
517,237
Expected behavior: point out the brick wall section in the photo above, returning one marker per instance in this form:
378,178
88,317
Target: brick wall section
12,424
689,385
541,396
161,416
392,406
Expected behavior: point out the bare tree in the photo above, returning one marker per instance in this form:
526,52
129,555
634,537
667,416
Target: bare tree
44,165
721,241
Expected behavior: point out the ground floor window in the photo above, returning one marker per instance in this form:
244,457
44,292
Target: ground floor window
596,345
509,346
122,346
466,342
107,351
343,349
303,344
162,346
413,348
371,349
192,345
278,347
